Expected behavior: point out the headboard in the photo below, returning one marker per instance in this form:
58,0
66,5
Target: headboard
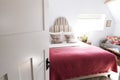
60,25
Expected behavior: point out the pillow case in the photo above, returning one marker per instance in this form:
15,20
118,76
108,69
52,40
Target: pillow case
113,40
56,38
69,37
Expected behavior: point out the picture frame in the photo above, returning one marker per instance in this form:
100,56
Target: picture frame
108,23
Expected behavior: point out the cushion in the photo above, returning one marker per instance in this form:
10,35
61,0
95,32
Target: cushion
103,41
69,37
56,38
113,40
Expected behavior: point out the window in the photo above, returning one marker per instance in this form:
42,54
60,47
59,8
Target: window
90,22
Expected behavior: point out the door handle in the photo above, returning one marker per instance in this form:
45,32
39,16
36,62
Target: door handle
47,63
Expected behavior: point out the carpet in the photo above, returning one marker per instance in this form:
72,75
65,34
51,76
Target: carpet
97,78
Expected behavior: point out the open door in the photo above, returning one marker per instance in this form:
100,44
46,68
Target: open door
23,40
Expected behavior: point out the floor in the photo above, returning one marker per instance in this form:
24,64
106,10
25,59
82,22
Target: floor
113,76
98,78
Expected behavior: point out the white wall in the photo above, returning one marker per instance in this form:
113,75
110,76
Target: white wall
114,7
72,8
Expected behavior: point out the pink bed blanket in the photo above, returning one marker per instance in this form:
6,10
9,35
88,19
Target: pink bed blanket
71,62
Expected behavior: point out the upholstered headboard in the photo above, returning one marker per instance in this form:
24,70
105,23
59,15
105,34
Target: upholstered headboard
61,32
60,25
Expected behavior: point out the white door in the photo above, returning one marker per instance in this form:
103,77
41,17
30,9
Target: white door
23,40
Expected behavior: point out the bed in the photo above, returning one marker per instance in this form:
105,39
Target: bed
67,62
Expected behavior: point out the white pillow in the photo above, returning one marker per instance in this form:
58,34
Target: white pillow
69,37
56,38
